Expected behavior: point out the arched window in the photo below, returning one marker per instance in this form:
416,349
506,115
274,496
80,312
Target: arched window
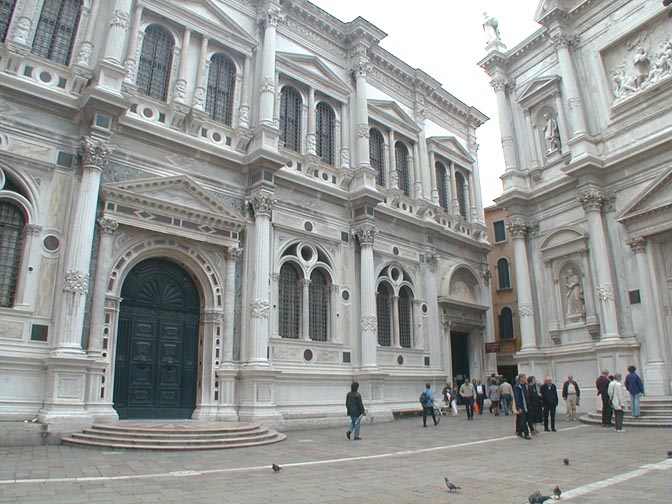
506,324
290,118
289,301
12,222
6,13
324,125
221,83
318,293
441,185
405,317
56,30
401,160
156,58
461,189
377,155
384,314
503,274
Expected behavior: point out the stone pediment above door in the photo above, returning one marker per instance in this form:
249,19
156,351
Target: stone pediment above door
178,206
650,211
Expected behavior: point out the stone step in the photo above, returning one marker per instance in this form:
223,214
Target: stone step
208,434
649,421
170,441
184,447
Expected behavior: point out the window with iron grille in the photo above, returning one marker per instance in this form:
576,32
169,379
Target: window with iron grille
461,187
12,223
441,185
503,274
405,317
384,314
324,125
156,58
290,118
401,160
57,29
221,83
289,301
6,12
318,293
377,155
506,324
500,231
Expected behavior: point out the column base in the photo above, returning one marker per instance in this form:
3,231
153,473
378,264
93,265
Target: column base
102,412
256,391
656,381
205,412
227,377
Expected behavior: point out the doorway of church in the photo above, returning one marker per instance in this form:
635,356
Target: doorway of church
157,343
459,345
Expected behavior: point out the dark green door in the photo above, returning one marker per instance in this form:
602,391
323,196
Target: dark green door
460,352
157,343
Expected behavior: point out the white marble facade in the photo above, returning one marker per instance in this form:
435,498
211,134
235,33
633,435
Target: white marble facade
112,167
585,111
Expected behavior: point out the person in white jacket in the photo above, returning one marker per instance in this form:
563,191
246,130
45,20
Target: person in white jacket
617,396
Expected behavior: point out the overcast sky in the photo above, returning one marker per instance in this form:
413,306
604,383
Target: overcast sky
445,39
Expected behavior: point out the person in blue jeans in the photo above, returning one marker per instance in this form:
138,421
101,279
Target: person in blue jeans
355,407
428,405
634,385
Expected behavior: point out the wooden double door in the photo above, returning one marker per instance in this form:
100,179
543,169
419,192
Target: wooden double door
156,360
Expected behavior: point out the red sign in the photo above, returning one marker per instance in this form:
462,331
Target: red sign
492,347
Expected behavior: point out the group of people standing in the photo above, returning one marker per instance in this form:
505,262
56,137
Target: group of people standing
533,404
613,396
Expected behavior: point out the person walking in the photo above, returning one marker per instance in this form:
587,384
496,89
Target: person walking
355,407
549,402
602,384
450,398
427,400
467,393
506,395
571,393
634,385
520,406
493,394
617,397
480,395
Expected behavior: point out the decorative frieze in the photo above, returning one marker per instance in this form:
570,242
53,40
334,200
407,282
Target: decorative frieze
76,281
525,310
368,323
260,309
605,292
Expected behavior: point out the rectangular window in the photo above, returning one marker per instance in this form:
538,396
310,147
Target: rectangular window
500,231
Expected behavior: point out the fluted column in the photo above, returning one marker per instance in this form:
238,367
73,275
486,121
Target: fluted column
26,287
305,312
116,33
498,83
360,69
518,230
432,177
233,255
345,138
311,139
562,42
23,23
455,202
395,322
392,171
87,26
271,16
130,63
181,82
68,338
107,229
199,92
477,202
244,110
592,202
417,177
262,202
368,322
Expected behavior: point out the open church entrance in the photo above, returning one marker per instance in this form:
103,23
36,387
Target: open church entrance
157,343
459,343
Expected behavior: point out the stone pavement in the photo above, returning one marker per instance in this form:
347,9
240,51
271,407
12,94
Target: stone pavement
397,462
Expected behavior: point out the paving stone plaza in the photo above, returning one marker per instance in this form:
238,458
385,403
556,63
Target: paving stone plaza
398,462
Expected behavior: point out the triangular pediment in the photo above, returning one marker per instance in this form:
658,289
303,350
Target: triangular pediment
655,199
167,204
307,68
391,112
451,147
539,88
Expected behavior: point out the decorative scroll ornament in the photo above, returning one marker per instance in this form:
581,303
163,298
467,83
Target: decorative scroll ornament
76,281
525,309
234,254
366,234
120,19
592,200
199,98
32,229
605,292
362,131
267,86
108,226
368,323
271,14
84,54
518,228
260,309
637,245
262,203
94,153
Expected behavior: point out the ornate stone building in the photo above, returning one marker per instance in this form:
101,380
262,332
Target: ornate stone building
228,210
586,113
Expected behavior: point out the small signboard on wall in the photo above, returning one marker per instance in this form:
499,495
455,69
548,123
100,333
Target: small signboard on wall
492,347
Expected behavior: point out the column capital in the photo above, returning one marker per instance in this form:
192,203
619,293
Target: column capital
94,152
304,282
486,274
498,83
432,262
564,39
108,226
270,14
233,254
518,228
637,245
262,202
365,233
120,19
592,199
361,67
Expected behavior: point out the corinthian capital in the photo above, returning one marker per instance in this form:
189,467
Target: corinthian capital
108,226
365,234
498,83
262,203
637,245
233,254
93,152
562,39
361,67
271,14
592,200
518,228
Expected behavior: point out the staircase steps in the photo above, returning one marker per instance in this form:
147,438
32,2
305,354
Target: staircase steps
172,436
654,412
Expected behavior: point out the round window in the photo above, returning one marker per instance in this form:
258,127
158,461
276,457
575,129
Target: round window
400,359
345,295
424,308
306,253
308,226
308,354
51,243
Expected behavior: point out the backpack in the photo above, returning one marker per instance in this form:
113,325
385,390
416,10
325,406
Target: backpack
424,397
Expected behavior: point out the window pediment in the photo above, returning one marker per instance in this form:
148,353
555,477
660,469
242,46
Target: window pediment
392,115
451,148
539,90
306,69
653,204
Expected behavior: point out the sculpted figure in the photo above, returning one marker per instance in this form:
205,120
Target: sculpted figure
551,134
575,301
491,28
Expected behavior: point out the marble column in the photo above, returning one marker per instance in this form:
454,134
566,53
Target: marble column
393,181
130,62
26,288
432,178
233,255
562,42
396,343
368,322
87,25
259,321
655,374
361,68
271,16
592,202
116,33
477,202
244,110
518,230
107,229
181,82
345,138
311,139
202,74
417,173
305,311
505,122
455,205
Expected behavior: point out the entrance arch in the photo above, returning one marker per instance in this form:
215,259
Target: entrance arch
157,342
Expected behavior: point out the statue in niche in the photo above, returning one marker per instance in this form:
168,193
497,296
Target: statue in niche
491,28
551,134
576,305
642,66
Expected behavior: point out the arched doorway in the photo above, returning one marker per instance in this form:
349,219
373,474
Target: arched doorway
157,343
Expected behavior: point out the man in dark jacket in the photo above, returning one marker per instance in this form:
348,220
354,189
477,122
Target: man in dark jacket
602,385
521,409
572,395
549,402
355,407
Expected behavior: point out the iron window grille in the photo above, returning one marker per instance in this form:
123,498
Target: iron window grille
324,125
290,118
289,302
441,185
461,187
318,294
221,83
384,314
401,160
12,223
506,324
156,59
503,274
6,13
405,317
57,29
377,155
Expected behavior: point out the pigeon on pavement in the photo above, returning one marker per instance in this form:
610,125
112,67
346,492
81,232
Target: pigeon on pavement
557,492
276,468
452,487
669,453
537,498
565,461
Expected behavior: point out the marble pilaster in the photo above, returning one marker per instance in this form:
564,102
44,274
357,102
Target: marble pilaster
368,323
518,230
